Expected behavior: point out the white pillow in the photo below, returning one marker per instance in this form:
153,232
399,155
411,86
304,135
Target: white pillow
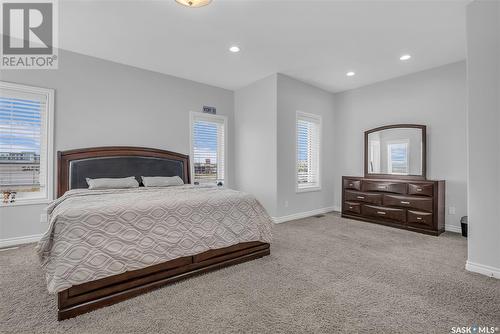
112,183
161,181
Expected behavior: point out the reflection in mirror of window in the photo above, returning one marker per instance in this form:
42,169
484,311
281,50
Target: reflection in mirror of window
398,158
374,166
395,151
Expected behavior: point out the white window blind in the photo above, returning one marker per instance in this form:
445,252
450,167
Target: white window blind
398,158
308,151
24,140
208,148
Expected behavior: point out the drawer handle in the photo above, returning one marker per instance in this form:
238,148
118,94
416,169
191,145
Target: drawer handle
350,184
382,187
419,189
360,197
350,207
419,218
405,202
381,212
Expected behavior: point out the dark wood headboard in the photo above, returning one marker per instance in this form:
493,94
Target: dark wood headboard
117,161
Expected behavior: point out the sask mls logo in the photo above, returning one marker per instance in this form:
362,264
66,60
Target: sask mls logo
474,329
29,34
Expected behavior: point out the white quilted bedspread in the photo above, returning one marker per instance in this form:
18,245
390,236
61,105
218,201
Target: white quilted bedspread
99,233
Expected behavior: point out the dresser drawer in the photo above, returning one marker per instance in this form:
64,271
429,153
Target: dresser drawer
415,204
352,184
420,189
398,215
358,196
409,202
352,207
420,219
391,187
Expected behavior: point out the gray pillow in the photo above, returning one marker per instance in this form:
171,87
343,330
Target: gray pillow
161,181
112,183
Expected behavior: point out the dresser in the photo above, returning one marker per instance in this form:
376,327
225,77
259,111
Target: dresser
413,205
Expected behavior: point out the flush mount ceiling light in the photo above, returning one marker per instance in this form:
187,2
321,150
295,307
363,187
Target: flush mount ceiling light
234,49
405,57
194,3
350,74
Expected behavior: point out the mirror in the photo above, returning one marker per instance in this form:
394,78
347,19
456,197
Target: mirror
396,151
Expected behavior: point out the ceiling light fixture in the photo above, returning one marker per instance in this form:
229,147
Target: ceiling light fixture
350,74
194,3
404,57
234,49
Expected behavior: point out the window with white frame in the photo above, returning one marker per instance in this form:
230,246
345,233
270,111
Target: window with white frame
398,162
374,163
208,133
308,132
26,132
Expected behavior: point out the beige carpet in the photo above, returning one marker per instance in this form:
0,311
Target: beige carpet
325,275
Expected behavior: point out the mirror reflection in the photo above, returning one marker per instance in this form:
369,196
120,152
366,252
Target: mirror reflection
395,151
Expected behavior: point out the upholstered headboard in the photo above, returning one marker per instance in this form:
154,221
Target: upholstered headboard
119,161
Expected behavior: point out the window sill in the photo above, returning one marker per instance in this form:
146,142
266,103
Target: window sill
307,189
21,202
200,182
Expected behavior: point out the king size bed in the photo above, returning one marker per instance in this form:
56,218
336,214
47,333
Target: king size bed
107,245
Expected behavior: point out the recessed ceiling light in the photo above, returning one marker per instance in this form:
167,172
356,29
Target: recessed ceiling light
194,3
234,49
404,57
350,74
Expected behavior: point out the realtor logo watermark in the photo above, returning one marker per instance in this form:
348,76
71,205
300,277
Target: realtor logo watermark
29,34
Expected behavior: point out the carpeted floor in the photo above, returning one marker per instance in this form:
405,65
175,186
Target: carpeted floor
324,275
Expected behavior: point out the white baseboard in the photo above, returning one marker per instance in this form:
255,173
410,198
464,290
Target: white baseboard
453,228
282,219
19,240
483,269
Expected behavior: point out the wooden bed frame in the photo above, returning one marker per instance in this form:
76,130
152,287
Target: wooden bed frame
89,296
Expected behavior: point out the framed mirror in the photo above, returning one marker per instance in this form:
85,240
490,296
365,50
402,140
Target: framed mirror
396,151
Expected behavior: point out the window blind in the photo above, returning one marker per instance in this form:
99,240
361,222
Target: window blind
308,151
23,141
208,148
398,158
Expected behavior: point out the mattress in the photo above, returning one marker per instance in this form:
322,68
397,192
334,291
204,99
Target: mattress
95,234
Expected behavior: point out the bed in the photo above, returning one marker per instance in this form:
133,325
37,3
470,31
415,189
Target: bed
105,246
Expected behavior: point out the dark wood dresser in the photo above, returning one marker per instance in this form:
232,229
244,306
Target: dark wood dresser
414,205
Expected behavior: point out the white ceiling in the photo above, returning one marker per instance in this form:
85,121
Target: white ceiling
313,41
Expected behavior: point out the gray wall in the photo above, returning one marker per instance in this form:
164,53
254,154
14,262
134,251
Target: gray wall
265,143
100,103
255,143
293,96
436,98
483,115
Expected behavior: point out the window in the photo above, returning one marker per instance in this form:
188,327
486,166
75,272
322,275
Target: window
26,126
208,148
374,166
398,158
308,152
